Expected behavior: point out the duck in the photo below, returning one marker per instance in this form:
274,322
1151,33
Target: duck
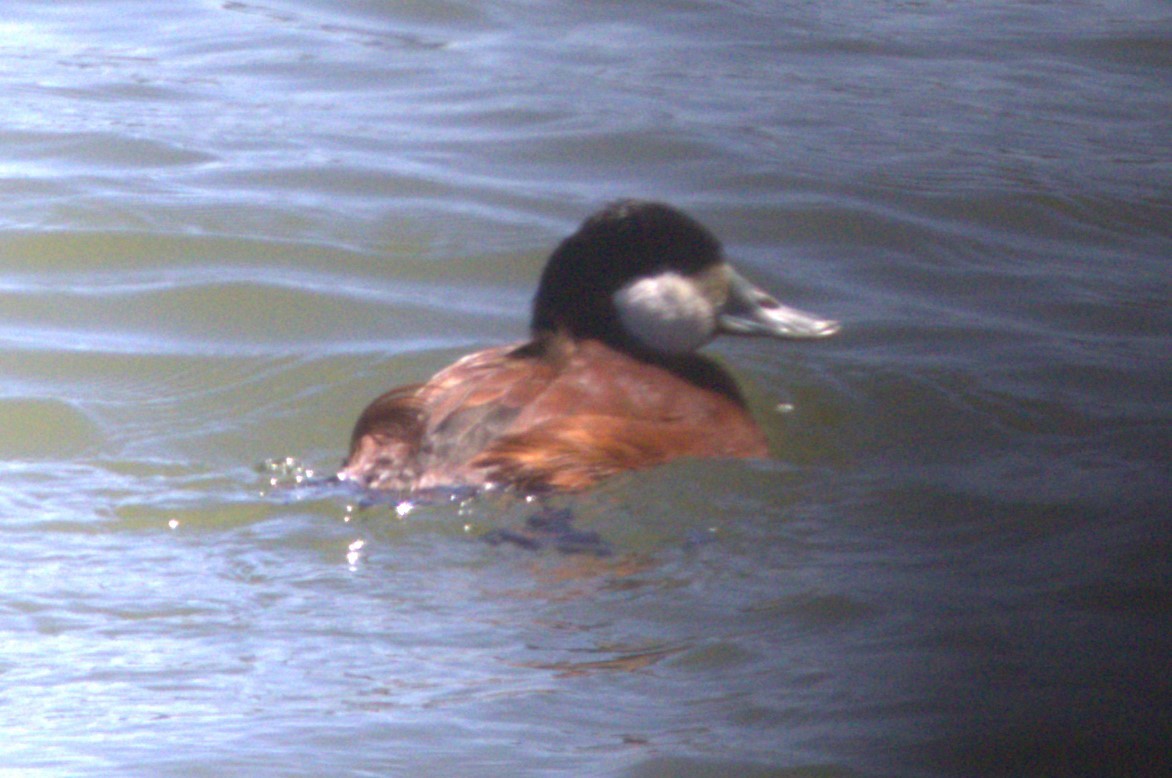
609,380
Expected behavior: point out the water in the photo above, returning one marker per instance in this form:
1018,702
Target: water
227,225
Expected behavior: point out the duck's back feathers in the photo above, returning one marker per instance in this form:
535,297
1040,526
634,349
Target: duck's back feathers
552,414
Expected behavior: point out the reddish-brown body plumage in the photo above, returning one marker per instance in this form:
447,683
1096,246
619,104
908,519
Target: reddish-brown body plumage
555,414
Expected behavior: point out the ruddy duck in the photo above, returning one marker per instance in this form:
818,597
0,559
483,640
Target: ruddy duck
609,380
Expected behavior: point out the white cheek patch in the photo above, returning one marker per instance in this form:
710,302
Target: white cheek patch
667,313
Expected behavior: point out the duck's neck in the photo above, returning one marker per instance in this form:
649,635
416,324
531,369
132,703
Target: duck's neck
559,346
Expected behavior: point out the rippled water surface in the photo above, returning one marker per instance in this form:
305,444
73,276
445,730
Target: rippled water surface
227,225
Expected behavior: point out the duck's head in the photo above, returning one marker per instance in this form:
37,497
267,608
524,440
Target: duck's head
645,276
